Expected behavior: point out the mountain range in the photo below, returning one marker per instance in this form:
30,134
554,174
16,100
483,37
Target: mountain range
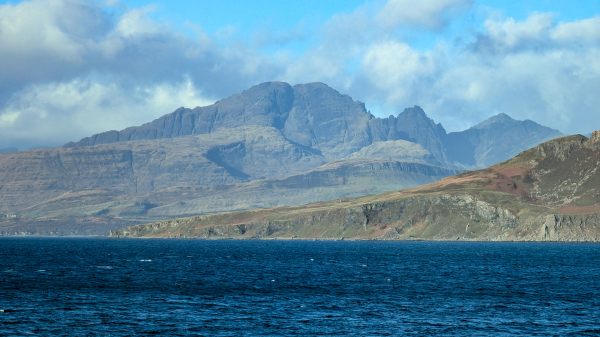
320,119
271,145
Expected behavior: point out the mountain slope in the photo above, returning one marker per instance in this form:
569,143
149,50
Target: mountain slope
270,131
550,192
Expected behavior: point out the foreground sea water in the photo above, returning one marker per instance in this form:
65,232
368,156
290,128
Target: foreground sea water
110,287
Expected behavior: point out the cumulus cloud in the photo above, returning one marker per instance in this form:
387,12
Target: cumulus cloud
582,31
78,108
522,68
429,14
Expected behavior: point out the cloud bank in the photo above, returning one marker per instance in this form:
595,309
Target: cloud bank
71,68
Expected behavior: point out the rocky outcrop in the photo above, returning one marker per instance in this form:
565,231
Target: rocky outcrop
400,150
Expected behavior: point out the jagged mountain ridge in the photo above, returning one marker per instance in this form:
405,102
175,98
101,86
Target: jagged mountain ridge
548,193
312,115
316,116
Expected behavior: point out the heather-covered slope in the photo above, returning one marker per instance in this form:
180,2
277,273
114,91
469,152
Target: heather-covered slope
550,192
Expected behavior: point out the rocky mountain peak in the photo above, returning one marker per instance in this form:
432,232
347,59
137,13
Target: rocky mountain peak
415,111
500,118
594,140
595,137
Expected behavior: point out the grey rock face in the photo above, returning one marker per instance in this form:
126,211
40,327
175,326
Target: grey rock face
312,115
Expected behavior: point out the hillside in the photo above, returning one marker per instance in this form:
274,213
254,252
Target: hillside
548,193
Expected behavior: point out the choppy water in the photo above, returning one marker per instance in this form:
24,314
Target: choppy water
62,286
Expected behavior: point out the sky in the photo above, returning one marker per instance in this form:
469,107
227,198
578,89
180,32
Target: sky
72,68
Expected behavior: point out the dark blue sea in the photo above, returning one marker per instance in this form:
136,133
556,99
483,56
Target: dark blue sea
109,287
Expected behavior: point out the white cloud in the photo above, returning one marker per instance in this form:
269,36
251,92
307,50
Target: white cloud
581,31
395,68
430,14
72,110
515,67
508,34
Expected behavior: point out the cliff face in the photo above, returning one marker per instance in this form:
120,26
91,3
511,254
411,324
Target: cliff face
109,208
548,193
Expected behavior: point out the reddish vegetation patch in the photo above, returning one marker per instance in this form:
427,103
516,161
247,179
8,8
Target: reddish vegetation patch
465,180
574,209
503,182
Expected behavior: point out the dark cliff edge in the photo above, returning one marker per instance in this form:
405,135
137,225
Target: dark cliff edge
527,198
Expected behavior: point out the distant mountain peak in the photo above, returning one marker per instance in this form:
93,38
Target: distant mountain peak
500,118
415,111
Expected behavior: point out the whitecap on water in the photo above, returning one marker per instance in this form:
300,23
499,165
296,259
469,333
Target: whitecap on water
145,260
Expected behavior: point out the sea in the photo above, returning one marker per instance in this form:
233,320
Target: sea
138,287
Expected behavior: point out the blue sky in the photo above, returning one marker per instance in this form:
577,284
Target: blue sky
71,68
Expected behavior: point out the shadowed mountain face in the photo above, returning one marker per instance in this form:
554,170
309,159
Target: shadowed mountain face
548,193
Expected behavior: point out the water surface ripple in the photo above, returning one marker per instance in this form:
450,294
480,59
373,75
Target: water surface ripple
108,287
